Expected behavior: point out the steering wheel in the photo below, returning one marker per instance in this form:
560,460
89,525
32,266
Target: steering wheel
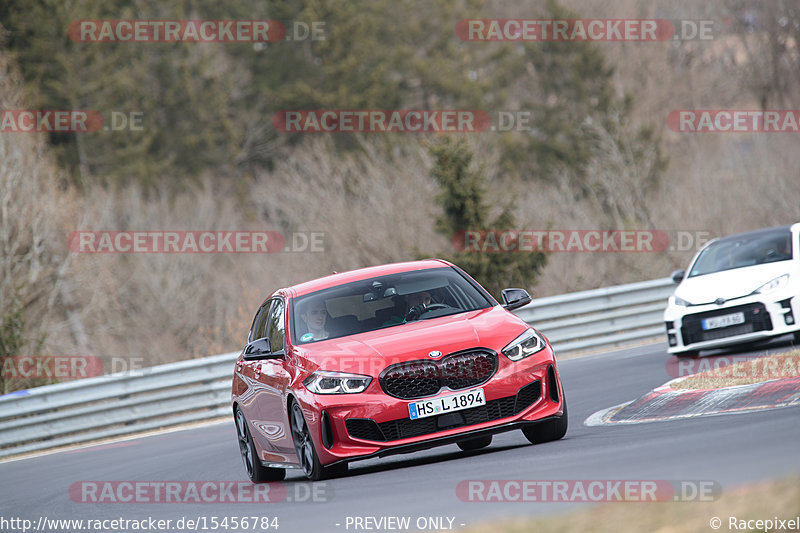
417,311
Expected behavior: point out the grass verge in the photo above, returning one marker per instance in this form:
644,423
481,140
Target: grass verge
757,370
769,500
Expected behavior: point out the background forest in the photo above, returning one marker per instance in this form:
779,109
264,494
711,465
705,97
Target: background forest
597,154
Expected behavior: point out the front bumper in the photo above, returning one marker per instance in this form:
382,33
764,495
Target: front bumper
369,424
763,318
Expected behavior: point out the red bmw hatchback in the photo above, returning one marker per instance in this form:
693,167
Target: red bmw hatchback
385,360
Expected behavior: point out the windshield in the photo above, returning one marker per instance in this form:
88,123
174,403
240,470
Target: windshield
383,302
749,250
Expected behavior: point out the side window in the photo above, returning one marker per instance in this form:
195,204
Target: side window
260,323
277,331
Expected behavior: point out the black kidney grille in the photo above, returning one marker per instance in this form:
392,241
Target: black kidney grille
368,429
463,370
421,378
413,379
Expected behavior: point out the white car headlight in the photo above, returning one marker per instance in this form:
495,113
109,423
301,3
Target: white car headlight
777,283
680,301
323,382
526,344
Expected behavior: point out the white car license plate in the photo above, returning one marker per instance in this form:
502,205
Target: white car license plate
723,321
446,404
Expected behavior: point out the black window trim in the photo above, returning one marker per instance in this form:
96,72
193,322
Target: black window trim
272,301
256,321
490,301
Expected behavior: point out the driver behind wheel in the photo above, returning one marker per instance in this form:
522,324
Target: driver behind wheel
415,305
418,298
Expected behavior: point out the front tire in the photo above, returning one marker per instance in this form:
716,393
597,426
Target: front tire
306,453
257,472
687,354
548,430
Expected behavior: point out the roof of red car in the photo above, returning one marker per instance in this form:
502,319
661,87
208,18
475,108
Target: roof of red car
364,273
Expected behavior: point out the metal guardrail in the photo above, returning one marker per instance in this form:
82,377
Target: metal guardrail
97,408
167,395
601,318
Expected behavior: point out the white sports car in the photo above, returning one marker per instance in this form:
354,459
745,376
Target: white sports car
738,289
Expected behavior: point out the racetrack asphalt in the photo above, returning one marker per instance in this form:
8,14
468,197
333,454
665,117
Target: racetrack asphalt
728,450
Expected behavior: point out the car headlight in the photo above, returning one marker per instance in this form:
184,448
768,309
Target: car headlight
323,382
526,344
680,301
777,283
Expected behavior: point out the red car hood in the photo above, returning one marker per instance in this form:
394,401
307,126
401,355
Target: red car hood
369,353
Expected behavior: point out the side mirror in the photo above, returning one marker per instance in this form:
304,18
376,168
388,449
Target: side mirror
678,276
258,349
515,298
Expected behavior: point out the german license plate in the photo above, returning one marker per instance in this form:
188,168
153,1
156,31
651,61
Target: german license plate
723,321
446,404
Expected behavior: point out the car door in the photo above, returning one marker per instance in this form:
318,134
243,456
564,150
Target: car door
271,379
245,370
